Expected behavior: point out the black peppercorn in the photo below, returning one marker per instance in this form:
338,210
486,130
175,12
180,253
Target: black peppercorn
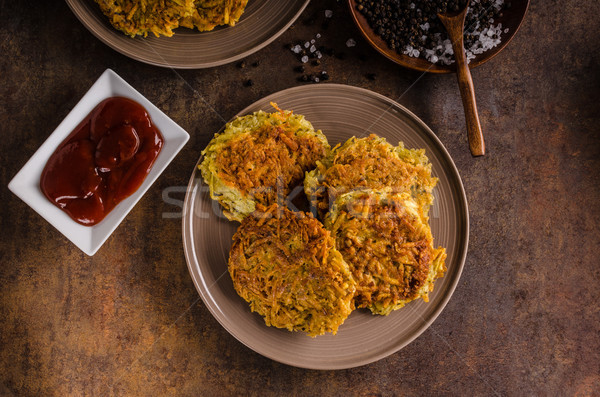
412,26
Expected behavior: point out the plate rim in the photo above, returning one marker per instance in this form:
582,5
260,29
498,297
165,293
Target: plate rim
207,65
461,259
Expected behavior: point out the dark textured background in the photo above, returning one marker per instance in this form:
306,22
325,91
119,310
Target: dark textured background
525,317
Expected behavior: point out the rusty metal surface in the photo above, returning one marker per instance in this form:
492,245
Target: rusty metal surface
524,319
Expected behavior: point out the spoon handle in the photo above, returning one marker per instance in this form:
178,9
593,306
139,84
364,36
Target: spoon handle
455,27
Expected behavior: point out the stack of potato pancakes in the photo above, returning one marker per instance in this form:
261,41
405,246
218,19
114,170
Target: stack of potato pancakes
368,244
160,17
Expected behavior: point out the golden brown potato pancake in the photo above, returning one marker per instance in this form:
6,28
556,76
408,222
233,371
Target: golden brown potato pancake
160,17
370,163
259,159
286,266
388,247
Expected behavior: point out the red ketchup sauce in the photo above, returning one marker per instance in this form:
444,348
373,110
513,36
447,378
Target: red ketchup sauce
103,161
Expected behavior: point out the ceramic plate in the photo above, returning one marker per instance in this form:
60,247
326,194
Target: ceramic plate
341,112
26,184
262,22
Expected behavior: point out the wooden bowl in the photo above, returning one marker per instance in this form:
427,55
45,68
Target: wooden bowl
511,19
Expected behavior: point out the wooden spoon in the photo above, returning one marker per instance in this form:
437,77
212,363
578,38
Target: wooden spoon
455,25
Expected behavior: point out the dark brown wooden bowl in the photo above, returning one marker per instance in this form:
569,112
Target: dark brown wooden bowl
511,19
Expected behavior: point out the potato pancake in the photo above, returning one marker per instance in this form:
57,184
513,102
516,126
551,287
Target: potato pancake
160,17
286,266
140,17
259,159
370,163
209,14
388,247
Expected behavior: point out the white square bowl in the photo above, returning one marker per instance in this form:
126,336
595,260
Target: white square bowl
26,184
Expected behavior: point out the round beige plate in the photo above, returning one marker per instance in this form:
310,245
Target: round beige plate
262,22
341,112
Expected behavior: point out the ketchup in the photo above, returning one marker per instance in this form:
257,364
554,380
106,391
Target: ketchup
103,161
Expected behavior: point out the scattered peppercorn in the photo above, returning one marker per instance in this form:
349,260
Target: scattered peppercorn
249,83
241,64
372,76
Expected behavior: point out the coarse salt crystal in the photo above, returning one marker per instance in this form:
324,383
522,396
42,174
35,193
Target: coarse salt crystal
328,13
350,42
313,48
483,36
304,59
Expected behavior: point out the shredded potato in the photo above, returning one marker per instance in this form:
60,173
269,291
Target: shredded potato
286,266
370,163
212,13
160,17
388,247
259,158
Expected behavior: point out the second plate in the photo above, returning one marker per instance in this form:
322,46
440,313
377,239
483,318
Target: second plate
262,22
